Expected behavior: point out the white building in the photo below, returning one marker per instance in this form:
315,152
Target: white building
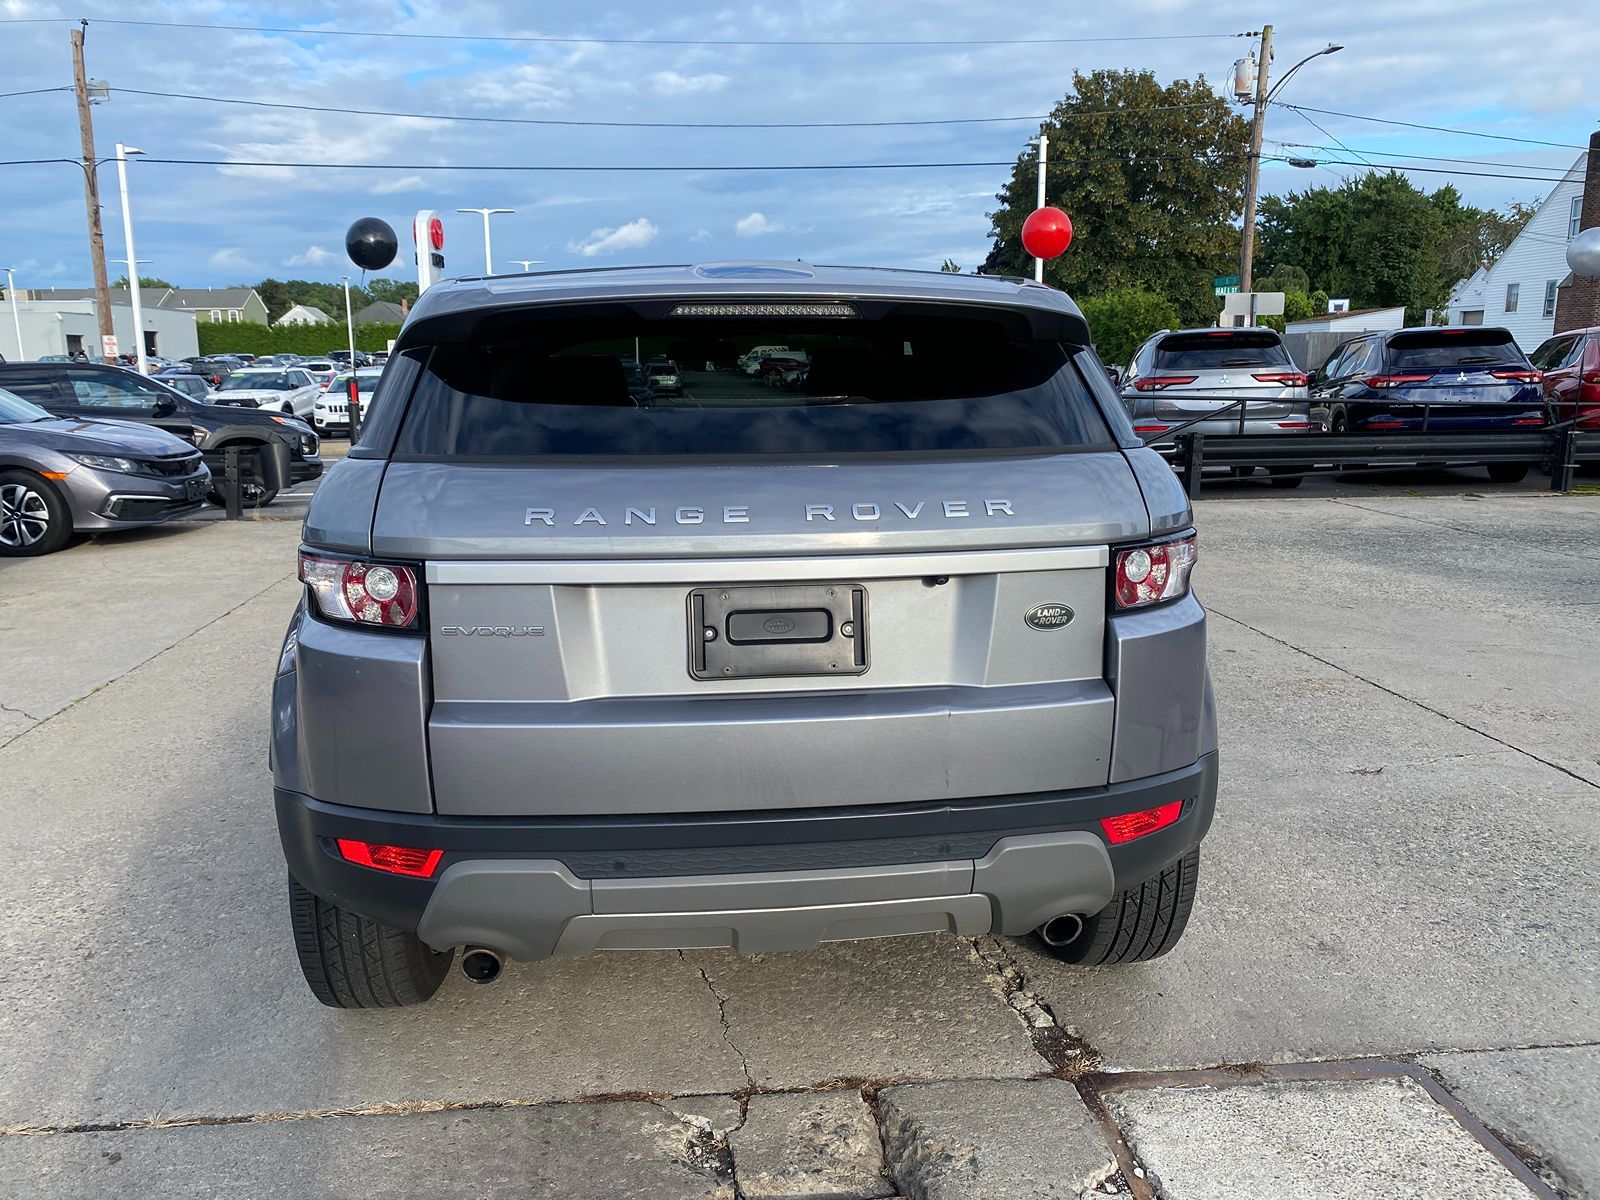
68,326
1362,320
1519,292
304,314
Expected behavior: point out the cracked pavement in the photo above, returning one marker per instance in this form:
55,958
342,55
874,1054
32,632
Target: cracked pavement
1398,891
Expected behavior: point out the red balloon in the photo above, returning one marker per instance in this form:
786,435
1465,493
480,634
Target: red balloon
1047,232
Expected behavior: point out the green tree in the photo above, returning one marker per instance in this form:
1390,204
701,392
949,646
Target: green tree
1153,179
949,267
392,290
1119,320
145,281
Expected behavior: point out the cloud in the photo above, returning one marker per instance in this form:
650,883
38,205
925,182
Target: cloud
624,237
407,183
700,235
229,258
670,83
312,256
755,225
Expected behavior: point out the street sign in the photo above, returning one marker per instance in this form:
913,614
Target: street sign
108,345
1224,285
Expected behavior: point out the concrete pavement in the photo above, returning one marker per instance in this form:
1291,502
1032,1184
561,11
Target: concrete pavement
1401,872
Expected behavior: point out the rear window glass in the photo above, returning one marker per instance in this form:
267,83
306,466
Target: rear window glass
1214,351
866,386
1449,349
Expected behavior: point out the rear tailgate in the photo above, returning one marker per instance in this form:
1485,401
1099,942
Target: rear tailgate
572,672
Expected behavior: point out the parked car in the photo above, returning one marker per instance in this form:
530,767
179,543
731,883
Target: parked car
279,360
1469,378
641,389
1224,381
342,358
608,676
1570,362
194,386
287,389
91,391
750,361
213,370
321,370
332,411
59,477
775,368
664,377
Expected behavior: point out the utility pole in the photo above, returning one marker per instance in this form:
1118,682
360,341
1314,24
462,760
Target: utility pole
1252,180
91,191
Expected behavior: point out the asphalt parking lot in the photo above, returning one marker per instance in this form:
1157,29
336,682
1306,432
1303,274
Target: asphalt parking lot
1394,957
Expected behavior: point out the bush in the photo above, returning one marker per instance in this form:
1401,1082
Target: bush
223,338
1119,320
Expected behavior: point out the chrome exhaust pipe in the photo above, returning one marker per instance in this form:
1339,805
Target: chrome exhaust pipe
1062,930
481,964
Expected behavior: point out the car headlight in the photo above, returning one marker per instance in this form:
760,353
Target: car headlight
108,462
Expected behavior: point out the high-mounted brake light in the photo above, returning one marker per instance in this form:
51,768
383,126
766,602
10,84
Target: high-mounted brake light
1154,572
362,593
1132,825
1286,378
396,860
1154,383
1389,381
837,309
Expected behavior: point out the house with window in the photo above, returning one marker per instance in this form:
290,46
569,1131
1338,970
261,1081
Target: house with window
219,305
1520,291
304,314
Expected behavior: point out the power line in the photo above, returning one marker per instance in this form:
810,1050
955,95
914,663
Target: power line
1471,162
1502,137
545,39
1326,162
36,91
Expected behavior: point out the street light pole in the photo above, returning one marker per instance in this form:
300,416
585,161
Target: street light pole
16,320
133,258
486,213
1044,145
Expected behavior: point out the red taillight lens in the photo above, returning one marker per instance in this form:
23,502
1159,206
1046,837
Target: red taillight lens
1136,824
397,860
1389,381
1386,424
1520,376
1154,383
1528,421
1286,378
1151,428
1153,573
362,593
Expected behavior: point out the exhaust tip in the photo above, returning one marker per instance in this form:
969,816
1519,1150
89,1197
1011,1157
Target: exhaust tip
482,965
1062,930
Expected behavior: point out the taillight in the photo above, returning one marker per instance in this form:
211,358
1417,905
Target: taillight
1286,378
1520,376
1132,825
1151,428
1386,424
1528,421
1389,381
1294,424
385,595
1154,383
397,860
1154,572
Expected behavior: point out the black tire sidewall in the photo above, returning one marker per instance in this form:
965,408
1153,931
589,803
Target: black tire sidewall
59,531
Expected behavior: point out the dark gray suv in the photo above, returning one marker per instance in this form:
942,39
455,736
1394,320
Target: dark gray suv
907,649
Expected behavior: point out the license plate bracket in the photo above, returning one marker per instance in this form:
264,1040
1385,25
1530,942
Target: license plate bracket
770,632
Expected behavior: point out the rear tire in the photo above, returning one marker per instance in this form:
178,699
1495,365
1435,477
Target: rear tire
1142,923
1287,477
351,961
34,518
1509,472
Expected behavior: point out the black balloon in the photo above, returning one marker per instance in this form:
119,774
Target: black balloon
371,244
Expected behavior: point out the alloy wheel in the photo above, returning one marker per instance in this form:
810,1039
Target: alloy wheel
24,515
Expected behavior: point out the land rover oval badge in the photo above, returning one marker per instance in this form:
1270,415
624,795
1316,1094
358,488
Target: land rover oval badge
1049,616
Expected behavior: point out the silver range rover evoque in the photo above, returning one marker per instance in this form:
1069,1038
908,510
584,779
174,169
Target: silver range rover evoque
904,646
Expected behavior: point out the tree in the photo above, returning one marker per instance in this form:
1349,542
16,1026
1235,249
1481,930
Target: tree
1119,320
1153,178
392,290
145,281
949,267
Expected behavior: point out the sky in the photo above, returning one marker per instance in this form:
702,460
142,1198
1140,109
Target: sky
1516,69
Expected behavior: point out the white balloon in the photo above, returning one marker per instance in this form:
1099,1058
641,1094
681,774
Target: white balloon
1583,252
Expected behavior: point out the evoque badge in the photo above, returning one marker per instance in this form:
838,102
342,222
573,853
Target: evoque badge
1046,617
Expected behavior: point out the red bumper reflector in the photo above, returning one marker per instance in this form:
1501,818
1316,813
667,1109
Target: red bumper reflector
1136,824
397,860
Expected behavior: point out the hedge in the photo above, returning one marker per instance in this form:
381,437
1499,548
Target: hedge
225,337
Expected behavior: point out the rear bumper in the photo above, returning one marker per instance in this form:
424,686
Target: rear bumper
753,881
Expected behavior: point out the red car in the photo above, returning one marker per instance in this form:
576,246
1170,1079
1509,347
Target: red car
1571,365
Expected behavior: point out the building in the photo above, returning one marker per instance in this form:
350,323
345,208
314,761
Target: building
1362,320
1521,290
1578,298
220,305
381,312
304,314
64,326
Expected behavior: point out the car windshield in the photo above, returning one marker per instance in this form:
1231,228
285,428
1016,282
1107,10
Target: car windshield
1454,348
902,383
257,381
1213,351
14,410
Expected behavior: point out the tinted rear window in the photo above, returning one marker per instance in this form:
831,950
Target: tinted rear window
1214,351
1427,348
560,388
